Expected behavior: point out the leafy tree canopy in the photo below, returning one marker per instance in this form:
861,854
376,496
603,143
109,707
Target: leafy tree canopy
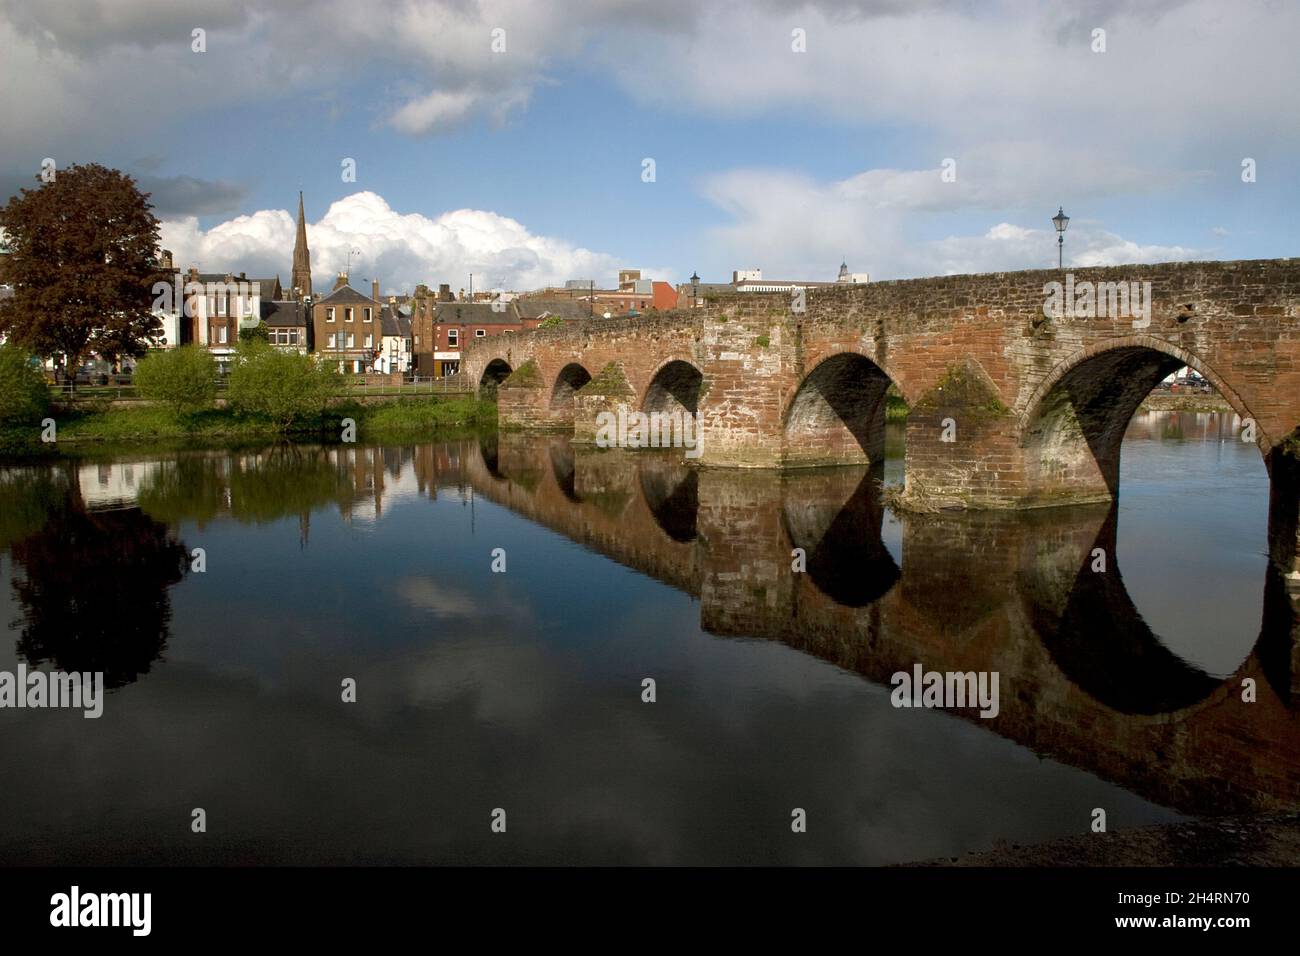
259,333
83,263
285,387
184,378
24,399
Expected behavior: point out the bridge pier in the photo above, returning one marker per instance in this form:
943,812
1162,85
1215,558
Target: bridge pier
961,449
524,401
607,394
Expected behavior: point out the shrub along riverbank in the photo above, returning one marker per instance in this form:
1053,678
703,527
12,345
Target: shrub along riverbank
90,424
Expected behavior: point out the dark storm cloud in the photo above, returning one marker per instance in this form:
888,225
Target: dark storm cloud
174,196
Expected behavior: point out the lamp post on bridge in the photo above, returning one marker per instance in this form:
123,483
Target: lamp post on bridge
1060,221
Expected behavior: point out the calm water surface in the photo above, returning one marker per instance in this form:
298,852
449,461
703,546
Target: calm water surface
522,690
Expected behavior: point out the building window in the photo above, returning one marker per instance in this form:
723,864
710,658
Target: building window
453,338
347,314
293,336
222,335
329,314
370,341
349,340
367,314
417,340
480,333
333,343
221,303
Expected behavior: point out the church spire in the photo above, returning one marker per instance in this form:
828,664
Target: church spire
300,282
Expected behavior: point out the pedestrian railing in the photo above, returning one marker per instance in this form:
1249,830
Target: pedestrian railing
353,385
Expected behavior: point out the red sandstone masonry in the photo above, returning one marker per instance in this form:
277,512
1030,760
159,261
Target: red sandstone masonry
1237,323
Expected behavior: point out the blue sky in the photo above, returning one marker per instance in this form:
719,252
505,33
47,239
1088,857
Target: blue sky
524,165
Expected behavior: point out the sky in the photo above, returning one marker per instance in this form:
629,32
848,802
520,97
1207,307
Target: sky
528,143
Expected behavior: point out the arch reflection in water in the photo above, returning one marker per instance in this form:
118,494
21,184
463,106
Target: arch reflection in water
1084,678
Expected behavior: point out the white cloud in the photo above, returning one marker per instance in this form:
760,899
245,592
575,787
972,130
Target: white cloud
434,110
400,249
984,71
1013,93
795,227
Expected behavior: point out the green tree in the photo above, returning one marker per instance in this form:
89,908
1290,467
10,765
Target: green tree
83,265
285,387
551,322
258,333
185,378
24,399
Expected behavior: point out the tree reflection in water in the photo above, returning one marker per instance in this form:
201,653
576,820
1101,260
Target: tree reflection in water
93,587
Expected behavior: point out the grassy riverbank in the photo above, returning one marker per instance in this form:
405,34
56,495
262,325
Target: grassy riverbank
147,424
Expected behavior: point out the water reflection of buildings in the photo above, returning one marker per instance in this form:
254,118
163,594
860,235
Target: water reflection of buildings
113,484
358,481
1201,426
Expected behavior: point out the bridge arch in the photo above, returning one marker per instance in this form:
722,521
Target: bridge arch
494,373
676,385
1073,424
570,378
837,413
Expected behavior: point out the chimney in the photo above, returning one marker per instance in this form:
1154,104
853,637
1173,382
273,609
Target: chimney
444,292
340,282
374,289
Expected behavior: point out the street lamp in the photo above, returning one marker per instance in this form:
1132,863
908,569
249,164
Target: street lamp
1060,221
695,289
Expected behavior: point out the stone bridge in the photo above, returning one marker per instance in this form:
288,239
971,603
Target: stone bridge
1008,407
1084,680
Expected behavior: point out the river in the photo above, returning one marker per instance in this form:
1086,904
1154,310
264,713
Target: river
501,603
